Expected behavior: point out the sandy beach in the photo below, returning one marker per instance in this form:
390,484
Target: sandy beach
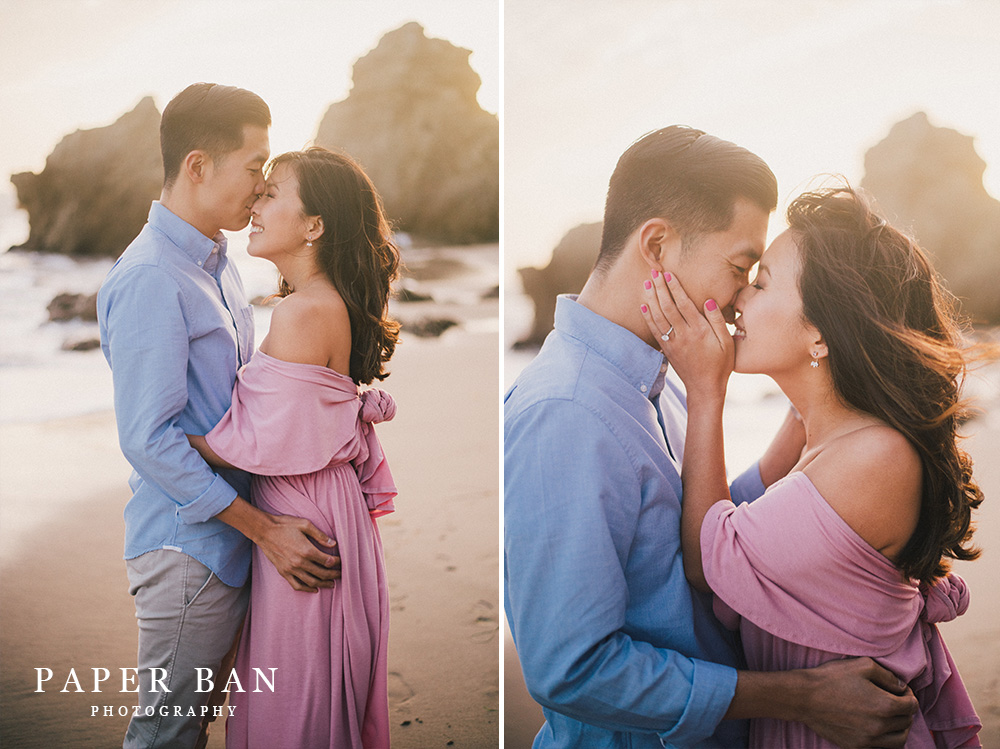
64,588
974,639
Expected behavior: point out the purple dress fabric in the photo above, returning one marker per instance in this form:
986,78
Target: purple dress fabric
803,589
306,434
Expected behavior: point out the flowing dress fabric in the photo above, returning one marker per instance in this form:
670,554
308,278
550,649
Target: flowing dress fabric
306,434
803,589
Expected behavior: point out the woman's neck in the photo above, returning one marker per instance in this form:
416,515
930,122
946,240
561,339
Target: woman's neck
301,275
825,415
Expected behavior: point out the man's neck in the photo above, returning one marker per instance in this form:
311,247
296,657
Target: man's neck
612,298
181,205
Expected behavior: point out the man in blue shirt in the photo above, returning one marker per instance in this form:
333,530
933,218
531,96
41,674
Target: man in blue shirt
613,643
175,326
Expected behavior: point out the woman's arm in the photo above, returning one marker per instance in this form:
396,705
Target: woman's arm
199,443
700,349
703,476
785,449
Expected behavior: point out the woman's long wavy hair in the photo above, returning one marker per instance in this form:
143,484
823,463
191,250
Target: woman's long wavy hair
355,251
895,352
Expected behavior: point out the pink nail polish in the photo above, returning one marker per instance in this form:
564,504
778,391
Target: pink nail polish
656,273
644,309
711,306
648,284
666,276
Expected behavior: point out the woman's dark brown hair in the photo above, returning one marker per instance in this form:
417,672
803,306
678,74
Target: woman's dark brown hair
895,352
355,251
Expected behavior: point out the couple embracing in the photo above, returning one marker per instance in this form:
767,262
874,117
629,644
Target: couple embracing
654,604
263,465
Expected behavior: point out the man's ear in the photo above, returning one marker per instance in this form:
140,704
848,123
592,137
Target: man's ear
659,244
195,165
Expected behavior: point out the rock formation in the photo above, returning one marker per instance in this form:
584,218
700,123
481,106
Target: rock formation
567,271
93,196
67,306
929,181
413,122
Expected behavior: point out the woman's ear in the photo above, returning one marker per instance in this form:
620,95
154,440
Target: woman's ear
658,244
314,228
818,348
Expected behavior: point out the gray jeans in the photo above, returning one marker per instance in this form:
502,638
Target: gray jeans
188,619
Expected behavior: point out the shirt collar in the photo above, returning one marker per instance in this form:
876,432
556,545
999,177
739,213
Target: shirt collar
191,241
641,365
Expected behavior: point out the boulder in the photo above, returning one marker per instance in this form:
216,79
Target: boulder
567,272
67,306
929,181
93,195
413,122
428,327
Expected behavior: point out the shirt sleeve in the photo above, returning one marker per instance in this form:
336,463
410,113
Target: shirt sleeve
147,347
748,486
572,499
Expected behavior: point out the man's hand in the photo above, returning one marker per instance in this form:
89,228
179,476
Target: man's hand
286,544
853,703
284,539
857,703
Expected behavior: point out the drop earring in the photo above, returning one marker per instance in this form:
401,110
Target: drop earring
309,242
815,362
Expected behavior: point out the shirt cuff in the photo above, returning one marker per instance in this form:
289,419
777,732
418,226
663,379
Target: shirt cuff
748,486
212,501
712,690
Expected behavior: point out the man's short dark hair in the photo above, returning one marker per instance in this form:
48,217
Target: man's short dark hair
210,118
686,177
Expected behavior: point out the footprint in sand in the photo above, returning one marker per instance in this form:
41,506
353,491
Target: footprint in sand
486,622
399,691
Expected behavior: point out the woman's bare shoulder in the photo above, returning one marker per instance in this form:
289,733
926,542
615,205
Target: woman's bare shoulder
309,328
873,479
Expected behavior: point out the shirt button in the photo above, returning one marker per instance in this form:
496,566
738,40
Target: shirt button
199,262
663,368
215,250
643,388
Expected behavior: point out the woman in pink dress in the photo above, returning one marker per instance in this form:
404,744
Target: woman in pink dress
849,554
312,659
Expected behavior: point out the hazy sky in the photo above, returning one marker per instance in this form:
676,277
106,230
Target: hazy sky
68,64
809,85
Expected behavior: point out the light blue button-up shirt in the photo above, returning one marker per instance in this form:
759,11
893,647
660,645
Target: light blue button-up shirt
175,326
614,644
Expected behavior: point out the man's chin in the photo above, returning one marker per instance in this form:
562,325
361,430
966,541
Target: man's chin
237,224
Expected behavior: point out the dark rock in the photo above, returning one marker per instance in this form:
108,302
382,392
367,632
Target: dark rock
567,272
83,344
93,196
413,122
428,327
67,306
409,295
929,181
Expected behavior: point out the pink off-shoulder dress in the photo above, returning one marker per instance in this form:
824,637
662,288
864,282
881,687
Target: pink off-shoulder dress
306,434
803,588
